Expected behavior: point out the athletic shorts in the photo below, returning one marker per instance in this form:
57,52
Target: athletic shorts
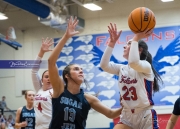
139,119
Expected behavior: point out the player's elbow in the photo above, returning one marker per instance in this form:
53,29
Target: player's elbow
133,64
111,114
51,61
103,66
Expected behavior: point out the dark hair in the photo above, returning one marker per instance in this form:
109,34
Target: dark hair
145,55
66,71
44,73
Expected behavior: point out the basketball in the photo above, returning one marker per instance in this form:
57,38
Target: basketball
141,19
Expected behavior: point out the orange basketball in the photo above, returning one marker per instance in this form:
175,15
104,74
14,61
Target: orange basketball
141,19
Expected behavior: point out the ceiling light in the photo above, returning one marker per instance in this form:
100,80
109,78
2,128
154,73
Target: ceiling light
92,6
3,17
166,0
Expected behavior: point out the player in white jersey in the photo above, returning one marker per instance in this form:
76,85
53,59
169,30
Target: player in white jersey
137,80
43,87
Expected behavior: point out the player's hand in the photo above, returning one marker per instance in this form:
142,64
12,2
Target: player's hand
23,124
72,23
142,35
114,35
45,46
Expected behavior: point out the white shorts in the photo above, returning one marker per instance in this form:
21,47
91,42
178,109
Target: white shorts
139,119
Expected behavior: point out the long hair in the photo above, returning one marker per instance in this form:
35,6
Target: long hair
66,71
145,55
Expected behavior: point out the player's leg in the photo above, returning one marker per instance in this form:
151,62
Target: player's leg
124,122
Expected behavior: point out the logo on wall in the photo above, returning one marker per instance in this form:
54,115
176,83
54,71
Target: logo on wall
87,50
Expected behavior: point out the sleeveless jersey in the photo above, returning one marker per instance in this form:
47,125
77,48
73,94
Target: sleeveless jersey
69,111
43,108
29,116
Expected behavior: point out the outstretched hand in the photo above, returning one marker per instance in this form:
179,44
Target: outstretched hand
72,23
114,35
45,46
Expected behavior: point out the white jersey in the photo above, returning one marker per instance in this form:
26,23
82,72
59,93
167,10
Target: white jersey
136,86
43,109
42,103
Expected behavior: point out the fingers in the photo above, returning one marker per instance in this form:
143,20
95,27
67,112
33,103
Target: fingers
48,41
119,33
115,27
24,123
112,28
148,32
110,33
75,32
42,40
72,21
76,21
51,43
109,29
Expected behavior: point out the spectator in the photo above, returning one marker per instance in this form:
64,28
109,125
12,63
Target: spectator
3,105
2,122
3,126
2,119
10,122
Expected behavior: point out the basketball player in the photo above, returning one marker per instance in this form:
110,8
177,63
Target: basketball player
25,116
70,104
175,115
43,87
137,80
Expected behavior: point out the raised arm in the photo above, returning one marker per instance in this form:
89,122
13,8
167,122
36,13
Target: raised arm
34,73
134,54
97,105
105,63
56,81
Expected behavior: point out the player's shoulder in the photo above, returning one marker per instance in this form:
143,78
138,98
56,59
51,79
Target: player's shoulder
178,100
40,90
19,109
90,98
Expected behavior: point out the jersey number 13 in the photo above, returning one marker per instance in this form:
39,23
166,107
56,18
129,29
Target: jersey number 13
69,113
